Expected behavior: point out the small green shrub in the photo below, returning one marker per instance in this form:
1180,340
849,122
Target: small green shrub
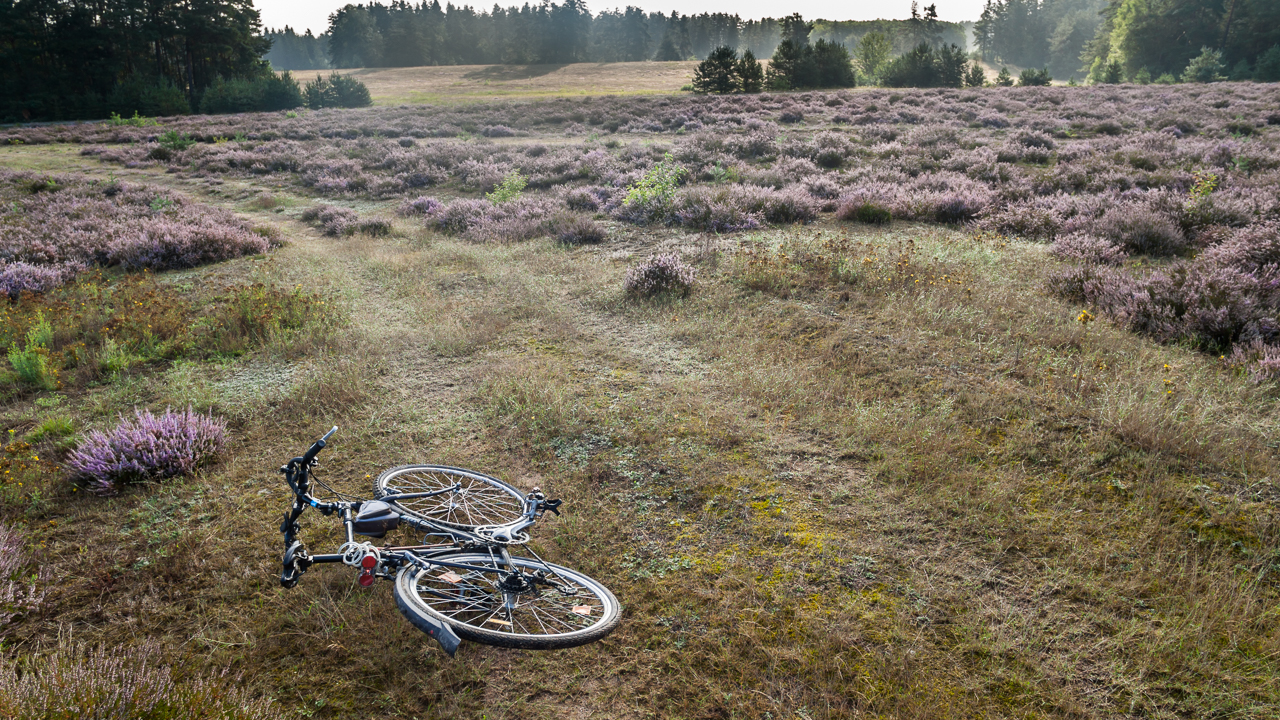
336,90
1031,77
269,92
173,140
32,362
865,212
150,97
509,189
135,121
651,197
1205,68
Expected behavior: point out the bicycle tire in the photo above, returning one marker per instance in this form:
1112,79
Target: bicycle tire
470,603
483,500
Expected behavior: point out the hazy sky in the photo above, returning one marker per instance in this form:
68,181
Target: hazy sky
314,14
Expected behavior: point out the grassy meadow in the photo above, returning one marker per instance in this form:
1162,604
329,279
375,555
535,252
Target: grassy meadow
861,470
471,83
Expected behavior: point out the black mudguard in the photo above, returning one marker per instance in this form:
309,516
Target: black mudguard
438,631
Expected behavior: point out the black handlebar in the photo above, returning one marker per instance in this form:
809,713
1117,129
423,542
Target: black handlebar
317,447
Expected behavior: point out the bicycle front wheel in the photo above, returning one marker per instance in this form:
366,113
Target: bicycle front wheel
479,499
530,605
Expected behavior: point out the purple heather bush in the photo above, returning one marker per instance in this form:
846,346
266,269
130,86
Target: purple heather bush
1228,295
715,209
659,275
1088,249
56,227
1138,228
338,221
419,206
486,221
19,277
120,682
588,199
24,582
146,447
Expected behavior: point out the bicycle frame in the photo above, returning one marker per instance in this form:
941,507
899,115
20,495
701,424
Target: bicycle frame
386,561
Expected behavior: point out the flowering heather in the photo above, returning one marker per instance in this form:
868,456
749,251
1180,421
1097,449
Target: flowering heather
332,220
19,277
23,582
1088,249
55,227
419,206
1103,173
588,199
1225,299
486,221
1022,161
75,683
660,274
148,446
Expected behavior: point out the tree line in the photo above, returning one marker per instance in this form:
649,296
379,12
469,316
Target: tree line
87,59
404,35
1134,40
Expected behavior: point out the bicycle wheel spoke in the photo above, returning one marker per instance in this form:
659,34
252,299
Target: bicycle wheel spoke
479,502
535,612
470,499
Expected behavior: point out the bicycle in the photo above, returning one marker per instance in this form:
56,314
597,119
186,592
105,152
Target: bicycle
468,585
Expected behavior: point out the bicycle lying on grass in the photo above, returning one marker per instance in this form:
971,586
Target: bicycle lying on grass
468,585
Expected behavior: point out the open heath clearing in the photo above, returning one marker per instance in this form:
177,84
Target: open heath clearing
894,404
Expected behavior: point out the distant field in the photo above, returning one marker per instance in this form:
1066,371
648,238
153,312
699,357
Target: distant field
452,83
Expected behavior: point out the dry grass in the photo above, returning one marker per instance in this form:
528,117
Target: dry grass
472,83
857,473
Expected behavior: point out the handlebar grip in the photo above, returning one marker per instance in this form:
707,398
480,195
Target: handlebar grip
317,447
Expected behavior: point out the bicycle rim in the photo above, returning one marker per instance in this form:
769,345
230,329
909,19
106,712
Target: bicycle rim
479,604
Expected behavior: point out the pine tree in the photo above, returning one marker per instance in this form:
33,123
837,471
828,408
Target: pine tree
976,76
750,73
718,73
667,49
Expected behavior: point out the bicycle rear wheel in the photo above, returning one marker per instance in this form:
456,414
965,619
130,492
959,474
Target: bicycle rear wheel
542,607
481,499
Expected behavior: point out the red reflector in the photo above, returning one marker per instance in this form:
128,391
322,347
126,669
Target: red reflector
368,562
366,579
